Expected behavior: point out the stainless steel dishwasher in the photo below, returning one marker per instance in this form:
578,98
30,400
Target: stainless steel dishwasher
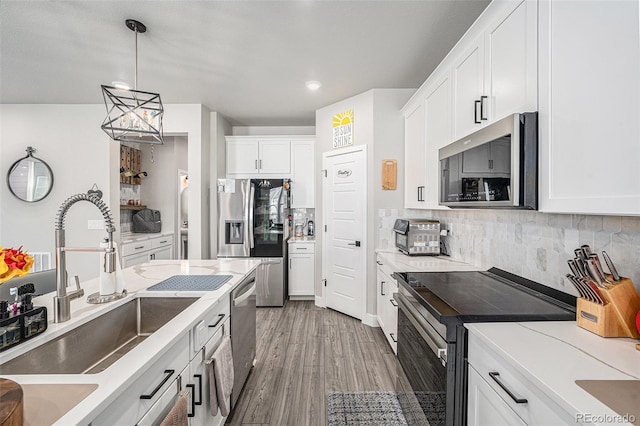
243,332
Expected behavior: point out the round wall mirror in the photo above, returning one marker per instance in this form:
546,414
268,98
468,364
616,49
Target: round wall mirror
30,179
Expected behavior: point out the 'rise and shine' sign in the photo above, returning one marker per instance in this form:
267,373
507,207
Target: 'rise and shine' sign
343,129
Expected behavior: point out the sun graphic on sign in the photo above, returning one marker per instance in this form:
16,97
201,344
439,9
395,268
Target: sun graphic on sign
343,118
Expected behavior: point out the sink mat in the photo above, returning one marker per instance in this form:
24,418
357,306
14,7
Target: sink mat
191,283
621,396
45,404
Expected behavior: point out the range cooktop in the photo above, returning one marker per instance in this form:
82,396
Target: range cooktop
494,295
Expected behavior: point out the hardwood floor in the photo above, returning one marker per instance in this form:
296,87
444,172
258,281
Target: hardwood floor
304,352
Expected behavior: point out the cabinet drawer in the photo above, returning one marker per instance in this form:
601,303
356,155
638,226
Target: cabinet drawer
384,267
210,324
302,247
135,247
167,240
538,409
129,407
165,403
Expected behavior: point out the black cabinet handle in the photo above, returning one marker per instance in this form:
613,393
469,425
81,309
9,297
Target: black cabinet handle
475,111
378,262
494,375
381,288
393,338
168,374
394,303
199,377
482,117
193,400
421,193
220,318
138,248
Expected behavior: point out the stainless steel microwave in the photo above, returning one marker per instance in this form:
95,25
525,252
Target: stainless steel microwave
495,167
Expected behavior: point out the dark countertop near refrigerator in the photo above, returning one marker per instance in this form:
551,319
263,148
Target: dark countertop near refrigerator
464,297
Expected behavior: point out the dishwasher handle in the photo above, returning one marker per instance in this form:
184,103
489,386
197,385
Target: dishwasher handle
244,296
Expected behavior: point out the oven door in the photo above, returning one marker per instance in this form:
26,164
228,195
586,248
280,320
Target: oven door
421,381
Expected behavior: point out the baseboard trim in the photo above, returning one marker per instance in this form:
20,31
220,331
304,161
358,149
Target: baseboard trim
371,320
293,297
320,302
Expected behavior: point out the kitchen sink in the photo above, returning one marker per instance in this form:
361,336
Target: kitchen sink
95,345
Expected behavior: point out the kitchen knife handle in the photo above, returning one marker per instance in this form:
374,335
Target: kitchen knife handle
596,261
593,272
494,375
612,268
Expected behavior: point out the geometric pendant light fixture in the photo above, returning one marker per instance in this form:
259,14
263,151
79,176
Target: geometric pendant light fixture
133,115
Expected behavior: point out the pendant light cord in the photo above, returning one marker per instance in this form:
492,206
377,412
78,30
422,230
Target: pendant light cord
135,77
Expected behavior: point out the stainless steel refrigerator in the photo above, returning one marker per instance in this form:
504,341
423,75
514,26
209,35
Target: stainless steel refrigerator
252,216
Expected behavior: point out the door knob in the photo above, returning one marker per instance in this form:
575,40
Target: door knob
357,244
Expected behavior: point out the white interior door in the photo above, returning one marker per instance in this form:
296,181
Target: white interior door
345,248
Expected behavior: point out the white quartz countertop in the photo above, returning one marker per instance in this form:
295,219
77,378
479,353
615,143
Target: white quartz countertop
137,279
304,239
553,355
128,237
400,262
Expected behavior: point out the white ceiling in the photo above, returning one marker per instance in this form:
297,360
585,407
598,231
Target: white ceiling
245,59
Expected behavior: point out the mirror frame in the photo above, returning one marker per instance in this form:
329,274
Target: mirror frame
30,152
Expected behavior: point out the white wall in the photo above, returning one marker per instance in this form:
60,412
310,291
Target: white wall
69,138
378,124
272,130
220,127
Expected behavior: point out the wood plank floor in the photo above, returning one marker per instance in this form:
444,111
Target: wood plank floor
304,352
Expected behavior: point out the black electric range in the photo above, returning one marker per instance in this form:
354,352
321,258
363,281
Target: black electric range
432,340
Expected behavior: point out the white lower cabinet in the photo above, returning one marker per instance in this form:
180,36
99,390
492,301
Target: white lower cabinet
499,394
302,270
137,252
387,309
141,396
199,384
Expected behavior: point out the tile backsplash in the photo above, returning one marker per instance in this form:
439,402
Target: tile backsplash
531,244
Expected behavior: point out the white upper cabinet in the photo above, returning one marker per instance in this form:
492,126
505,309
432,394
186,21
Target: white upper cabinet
589,107
242,156
303,165
437,108
256,156
511,68
495,74
468,89
275,157
414,154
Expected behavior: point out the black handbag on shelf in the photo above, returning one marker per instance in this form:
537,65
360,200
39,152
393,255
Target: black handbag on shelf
147,221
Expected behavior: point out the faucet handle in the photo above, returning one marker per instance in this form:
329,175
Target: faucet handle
76,293
77,280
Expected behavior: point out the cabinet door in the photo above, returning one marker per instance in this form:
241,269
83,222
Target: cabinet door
275,157
303,185
242,156
414,157
485,407
135,259
476,160
500,156
589,107
301,274
468,86
382,295
164,253
511,61
437,106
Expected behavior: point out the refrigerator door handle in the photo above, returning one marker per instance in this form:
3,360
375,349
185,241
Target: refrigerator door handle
252,193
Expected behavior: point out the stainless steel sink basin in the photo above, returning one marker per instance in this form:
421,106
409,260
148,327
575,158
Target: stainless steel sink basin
92,347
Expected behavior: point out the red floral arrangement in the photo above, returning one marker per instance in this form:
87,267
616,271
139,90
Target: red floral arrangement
14,263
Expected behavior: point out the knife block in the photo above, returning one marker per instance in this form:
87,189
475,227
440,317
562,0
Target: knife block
616,318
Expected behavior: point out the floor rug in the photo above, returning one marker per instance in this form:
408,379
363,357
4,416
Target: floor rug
364,409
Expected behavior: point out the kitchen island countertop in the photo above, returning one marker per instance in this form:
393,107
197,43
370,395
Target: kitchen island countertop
399,262
113,381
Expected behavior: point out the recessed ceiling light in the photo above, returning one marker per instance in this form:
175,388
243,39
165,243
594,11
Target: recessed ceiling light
120,85
313,85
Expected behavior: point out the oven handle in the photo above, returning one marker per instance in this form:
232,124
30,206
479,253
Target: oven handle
436,343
